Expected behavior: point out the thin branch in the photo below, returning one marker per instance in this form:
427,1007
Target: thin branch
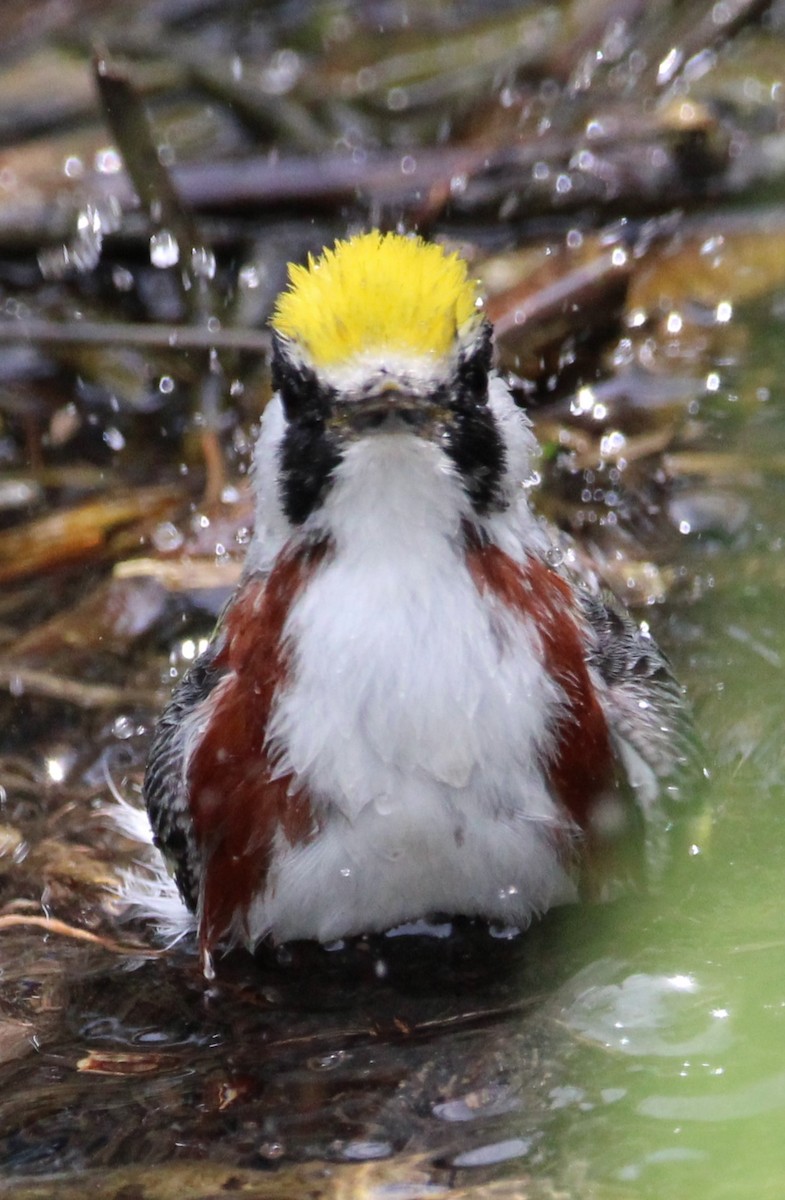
53,925
21,680
156,336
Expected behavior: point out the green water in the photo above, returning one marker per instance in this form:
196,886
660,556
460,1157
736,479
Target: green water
682,1021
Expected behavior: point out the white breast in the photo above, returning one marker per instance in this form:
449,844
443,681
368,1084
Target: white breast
417,715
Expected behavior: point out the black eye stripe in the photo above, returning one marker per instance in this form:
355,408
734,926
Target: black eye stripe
308,457
473,442
474,366
302,394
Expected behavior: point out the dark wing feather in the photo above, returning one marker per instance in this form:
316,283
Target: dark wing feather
645,704
164,788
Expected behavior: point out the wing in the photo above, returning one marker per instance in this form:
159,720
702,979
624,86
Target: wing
164,788
645,705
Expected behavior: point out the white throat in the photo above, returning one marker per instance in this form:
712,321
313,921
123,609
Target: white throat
394,497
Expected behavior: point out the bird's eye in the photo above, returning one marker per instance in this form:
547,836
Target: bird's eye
474,366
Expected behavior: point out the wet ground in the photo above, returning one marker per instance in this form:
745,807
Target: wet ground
626,1051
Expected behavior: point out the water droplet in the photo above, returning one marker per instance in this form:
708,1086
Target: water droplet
611,444
164,249
281,73
554,556
249,277
271,1150
55,769
107,161
122,279
503,933
73,167
669,66
327,1062
166,537
202,262
123,727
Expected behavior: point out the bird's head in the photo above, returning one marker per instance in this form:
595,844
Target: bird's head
384,334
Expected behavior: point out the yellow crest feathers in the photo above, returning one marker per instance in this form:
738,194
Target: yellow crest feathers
377,292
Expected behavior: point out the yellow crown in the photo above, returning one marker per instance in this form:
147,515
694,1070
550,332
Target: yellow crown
377,292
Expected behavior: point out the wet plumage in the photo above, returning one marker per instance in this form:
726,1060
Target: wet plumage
406,709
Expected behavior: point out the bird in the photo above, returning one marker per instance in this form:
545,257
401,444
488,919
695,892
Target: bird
412,704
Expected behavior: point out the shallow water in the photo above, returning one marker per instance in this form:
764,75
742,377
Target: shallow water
681,1027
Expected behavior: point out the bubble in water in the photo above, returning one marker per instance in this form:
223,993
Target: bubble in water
494,1152
360,1151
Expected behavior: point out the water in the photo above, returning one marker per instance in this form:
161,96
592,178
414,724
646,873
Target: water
681,1027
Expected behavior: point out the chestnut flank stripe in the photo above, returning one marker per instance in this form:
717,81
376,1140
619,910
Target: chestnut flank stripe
236,804
582,765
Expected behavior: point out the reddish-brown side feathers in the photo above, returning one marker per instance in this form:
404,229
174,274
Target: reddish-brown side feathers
235,803
582,765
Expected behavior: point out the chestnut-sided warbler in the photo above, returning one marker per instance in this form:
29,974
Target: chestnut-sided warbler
409,706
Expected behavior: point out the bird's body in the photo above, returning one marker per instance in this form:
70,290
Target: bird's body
406,708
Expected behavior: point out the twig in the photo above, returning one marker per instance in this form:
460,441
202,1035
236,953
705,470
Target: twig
22,680
163,337
127,119
53,925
